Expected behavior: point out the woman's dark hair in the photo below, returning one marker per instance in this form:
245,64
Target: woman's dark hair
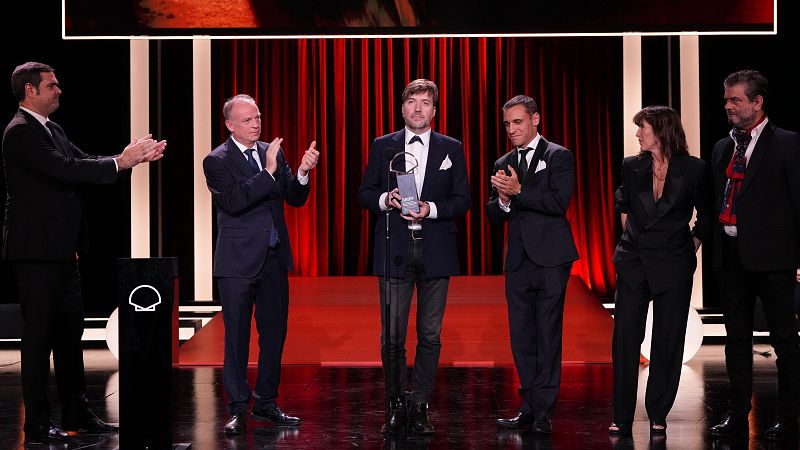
667,128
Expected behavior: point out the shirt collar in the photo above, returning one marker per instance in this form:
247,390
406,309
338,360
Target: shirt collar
42,119
425,137
532,144
755,132
242,147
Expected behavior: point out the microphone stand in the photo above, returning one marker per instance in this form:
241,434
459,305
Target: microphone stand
387,319
391,347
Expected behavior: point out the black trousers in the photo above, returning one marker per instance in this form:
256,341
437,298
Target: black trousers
52,309
268,293
670,313
739,288
431,299
535,297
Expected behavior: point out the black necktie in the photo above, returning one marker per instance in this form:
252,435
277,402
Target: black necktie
523,163
415,139
55,136
251,159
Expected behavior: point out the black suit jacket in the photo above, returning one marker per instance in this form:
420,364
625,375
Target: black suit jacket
247,205
448,189
537,221
768,207
44,218
657,243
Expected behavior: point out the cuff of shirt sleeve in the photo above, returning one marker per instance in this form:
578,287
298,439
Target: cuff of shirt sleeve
434,213
382,202
506,208
303,179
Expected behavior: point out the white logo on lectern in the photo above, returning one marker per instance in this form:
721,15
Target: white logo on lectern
140,308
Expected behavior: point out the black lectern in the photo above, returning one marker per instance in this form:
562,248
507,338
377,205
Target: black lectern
147,294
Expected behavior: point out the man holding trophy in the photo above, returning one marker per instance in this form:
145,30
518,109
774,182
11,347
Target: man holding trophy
414,246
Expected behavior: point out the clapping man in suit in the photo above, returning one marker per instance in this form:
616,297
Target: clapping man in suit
531,190
757,249
423,250
249,181
43,234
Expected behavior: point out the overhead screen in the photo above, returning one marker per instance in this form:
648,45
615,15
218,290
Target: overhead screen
391,18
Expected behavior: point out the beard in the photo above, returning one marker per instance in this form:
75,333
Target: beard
742,120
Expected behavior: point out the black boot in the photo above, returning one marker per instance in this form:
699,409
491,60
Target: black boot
396,421
418,422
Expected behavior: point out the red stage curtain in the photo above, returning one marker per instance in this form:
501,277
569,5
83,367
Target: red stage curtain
345,92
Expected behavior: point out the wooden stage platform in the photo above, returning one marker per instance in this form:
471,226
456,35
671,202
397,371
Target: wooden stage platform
335,321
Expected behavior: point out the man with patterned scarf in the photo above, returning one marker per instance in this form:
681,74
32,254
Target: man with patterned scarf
756,173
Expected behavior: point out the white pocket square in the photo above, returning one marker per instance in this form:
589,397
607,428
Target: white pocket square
446,164
541,166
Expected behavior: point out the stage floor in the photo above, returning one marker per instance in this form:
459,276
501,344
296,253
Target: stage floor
342,408
335,321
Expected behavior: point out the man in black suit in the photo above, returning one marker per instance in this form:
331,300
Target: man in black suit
756,239
423,249
249,181
43,234
532,186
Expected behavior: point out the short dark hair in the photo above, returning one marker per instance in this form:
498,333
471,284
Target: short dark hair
421,85
756,84
530,104
30,72
667,127
235,100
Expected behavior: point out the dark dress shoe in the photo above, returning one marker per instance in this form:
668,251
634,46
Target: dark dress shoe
275,415
236,425
87,422
418,421
43,434
731,426
91,424
396,422
542,426
521,420
785,429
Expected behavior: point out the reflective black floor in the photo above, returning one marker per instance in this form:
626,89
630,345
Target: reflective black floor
342,408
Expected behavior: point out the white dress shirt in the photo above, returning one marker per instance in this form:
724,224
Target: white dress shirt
420,152
302,179
528,157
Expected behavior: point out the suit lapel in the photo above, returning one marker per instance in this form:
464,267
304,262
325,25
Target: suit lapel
676,173
537,156
434,157
644,172
238,158
57,138
43,130
758,155
720,169
399,146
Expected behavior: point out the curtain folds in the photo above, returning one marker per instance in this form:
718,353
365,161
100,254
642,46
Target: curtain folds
345,92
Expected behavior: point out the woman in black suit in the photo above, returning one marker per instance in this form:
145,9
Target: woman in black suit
655,260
